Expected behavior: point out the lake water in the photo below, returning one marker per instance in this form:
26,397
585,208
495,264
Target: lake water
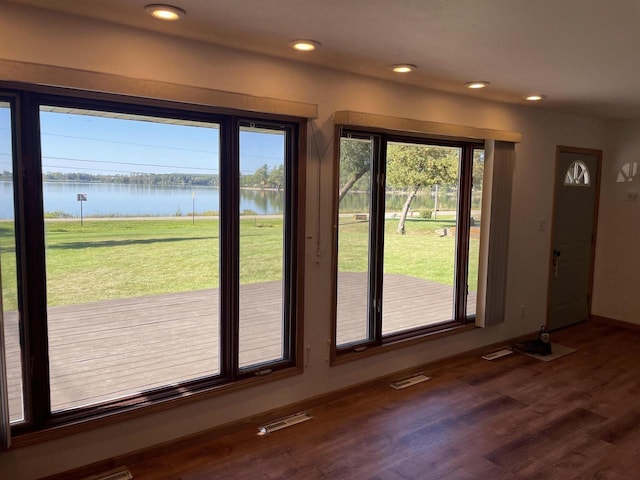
107,199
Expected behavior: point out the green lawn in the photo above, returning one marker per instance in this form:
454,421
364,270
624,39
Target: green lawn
8,266
423,252
107,259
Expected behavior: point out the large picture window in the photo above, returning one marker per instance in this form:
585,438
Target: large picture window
409,216
161,254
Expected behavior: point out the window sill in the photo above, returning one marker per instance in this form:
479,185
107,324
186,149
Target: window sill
352,355
56,431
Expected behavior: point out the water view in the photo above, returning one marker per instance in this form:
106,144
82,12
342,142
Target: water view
112,199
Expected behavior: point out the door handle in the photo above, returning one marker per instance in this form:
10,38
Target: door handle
556,261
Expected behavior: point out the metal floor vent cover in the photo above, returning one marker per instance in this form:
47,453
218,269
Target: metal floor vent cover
118,474
408,382
284,423
498,354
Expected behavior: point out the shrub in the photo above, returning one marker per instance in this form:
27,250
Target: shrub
57,214
426,213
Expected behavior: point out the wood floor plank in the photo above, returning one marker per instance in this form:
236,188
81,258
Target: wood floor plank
534,444
577,455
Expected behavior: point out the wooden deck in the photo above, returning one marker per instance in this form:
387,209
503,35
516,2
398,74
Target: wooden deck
408,302
110,349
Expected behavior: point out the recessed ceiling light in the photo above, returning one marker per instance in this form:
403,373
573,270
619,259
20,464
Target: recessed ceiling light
535,98
165,12
304,45
476,85
403,68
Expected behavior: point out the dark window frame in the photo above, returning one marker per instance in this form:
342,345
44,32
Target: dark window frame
461,321
30,250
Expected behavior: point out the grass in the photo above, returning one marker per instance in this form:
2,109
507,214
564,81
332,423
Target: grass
110,259
423,252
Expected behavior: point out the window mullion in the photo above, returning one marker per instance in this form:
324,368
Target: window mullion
376,238
229,247
289,267
31,271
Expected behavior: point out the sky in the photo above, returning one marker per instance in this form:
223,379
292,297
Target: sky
5,138
111,146
102,145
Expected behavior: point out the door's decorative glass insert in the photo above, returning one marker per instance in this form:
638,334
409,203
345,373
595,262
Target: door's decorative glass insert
577,175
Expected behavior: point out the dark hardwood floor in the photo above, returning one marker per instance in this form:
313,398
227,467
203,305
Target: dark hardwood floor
577,417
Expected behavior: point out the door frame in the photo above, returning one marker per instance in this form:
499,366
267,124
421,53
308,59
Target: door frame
594,233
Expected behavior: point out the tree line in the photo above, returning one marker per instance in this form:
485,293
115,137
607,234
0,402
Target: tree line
136,178
264,177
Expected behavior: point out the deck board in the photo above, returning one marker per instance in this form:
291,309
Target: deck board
111,349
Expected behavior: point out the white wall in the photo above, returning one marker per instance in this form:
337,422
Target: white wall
48,38
616,282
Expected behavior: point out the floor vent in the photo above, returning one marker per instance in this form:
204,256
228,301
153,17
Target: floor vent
408,382
284,423
498,354
118,474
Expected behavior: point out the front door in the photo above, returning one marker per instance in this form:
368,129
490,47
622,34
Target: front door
573,237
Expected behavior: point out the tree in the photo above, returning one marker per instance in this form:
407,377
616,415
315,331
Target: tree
276,177
412,167
261,176
355,161
478,169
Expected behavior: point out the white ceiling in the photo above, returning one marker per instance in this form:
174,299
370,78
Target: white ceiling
584,55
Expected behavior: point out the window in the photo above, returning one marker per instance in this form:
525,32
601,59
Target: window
577,175
409,219
262,250
627,173
162,255
133,288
